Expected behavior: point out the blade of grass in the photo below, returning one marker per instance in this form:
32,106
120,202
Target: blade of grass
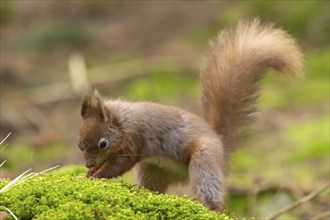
3,140
24,176
31,175
28,176
49,169
10,212
2,163
14,181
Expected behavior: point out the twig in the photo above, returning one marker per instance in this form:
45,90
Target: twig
299,202
297,193
322,215
78,73
270,188
253,196
50,93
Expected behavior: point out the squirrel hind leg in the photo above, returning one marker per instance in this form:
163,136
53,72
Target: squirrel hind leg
154,177
206,179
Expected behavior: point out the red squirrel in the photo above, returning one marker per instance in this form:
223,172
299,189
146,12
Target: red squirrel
118,135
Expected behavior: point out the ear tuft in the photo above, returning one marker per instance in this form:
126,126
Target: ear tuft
92,105
86,104
96,99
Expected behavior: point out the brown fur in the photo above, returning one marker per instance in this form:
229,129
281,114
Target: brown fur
235,64
167,145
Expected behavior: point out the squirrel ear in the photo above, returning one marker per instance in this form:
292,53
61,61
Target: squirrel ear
93,105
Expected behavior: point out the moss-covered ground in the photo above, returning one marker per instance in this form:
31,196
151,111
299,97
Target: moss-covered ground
67,194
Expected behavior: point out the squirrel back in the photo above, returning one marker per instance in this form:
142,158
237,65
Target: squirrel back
235,63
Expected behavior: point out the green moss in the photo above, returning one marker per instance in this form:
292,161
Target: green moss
61,34
3,182
67,195
310,140
293,17
7,12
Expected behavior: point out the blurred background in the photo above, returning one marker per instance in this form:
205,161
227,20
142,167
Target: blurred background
152,50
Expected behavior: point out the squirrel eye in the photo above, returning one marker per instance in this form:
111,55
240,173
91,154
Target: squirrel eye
103,143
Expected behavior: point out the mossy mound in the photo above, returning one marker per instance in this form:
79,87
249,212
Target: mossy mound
67,194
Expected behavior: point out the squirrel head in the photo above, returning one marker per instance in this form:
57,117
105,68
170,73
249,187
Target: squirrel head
100,134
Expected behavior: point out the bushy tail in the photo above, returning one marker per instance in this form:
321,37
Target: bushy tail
236,62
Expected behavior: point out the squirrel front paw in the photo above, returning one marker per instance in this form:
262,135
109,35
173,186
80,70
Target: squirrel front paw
94,173
90,172
96,176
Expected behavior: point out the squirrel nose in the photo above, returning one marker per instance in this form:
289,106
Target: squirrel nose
88,163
